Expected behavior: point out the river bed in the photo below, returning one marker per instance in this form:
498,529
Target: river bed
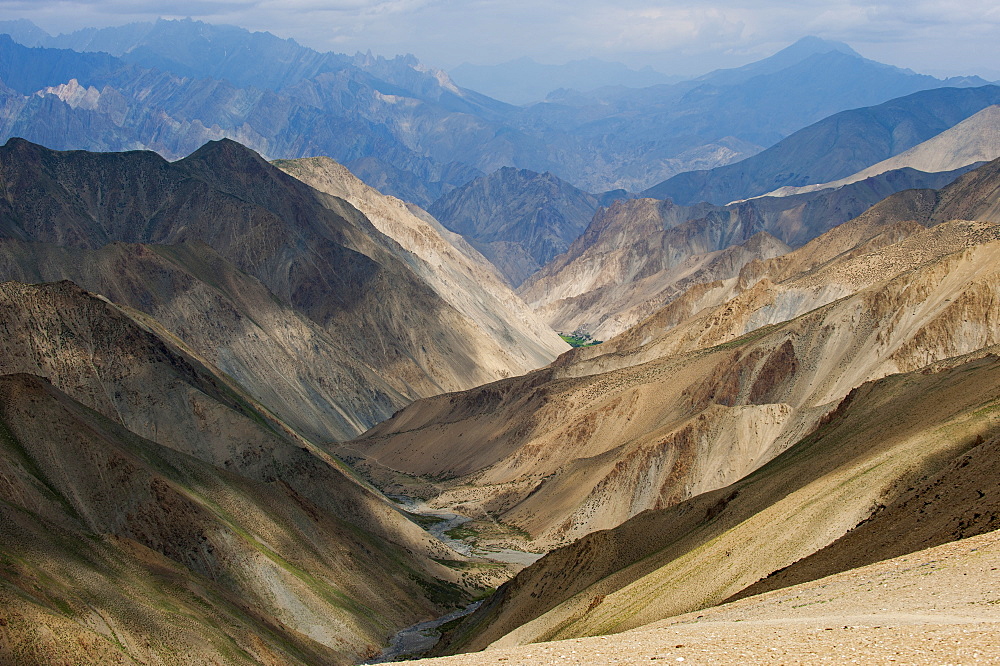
418,639
421,637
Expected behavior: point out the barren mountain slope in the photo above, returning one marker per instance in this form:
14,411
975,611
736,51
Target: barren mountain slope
885,439
129,370
958,502
312,251
975,139
792,284
628,263
117,549
281,357
930,607
451,267
517,218
561,455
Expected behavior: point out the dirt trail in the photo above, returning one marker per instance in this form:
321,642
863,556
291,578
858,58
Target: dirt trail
937,606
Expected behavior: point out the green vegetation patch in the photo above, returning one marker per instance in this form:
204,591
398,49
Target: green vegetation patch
580,340
461,532
425,522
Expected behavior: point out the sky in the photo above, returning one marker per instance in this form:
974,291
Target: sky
941,37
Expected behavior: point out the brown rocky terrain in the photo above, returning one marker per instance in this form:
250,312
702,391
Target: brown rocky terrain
362,333
908,439
637,256
932,606
597,438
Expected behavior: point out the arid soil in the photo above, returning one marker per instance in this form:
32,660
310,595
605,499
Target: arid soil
936,606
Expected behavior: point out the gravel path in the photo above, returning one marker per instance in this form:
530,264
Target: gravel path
939,606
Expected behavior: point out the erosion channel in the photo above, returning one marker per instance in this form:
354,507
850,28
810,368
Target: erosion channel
446,526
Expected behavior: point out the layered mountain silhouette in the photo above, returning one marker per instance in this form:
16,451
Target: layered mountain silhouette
170,86
976,139
832,148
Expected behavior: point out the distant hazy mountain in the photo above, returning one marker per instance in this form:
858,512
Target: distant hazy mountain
517,218
975,139
523,80
405,128
649,129
787,57
832,148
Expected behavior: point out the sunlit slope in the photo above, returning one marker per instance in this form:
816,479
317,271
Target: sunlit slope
561,455
886,439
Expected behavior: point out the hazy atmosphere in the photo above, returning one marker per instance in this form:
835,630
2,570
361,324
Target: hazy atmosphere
672,37
336,332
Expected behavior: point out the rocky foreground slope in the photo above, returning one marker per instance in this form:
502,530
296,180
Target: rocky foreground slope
907,438
154,511
931,607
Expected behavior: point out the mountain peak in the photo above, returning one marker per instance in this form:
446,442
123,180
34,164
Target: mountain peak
224,149
787,57
811,45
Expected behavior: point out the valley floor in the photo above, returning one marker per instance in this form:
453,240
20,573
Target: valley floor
937,606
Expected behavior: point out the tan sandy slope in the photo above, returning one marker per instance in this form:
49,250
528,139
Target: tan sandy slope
452,267
906,436
934,606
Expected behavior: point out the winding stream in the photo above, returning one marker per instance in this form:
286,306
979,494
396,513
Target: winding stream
414,641
421,637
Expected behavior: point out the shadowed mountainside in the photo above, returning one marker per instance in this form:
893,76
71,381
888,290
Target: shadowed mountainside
204,489
518,219
445,261
299,260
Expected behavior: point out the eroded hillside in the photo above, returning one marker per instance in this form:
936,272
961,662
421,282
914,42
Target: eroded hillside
136,467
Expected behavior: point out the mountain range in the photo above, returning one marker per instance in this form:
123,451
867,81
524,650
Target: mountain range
524,80
408,130
255,410
714,426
